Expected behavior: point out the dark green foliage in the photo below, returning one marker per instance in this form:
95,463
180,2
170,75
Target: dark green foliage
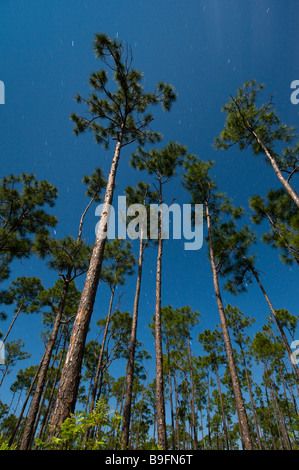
22,216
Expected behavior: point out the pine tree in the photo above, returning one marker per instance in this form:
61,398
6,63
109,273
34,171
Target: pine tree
13,354
24,294
261,129
239,265
69,257
202,188
238,322
212,343
142,195
161,164
122,262
120,116
283,217
22,216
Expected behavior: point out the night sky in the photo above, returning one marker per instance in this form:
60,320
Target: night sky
206,50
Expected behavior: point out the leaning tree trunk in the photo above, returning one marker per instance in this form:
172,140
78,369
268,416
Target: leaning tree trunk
278,173
70,378
131,354
242,417
160,399
279,325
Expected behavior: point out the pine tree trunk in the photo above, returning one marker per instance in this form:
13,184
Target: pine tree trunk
100,360
69,383
282,333
11,325
29,427
229,351
279,415
131,355
177,425
208,412
160,400
47,412
192,396
278,173
170,400
222,407
277,231
269,417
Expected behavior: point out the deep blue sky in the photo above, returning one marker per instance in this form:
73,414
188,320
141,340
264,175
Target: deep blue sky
206,49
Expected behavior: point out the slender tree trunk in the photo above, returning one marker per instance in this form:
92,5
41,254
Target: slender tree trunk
229,350
222,407
139,418
277,231
12,437
69,383
192,395
100,360
160,400
282,333
279,415
27,434
131,355
11,325
47,413
278,173
208,412
176,412
251,398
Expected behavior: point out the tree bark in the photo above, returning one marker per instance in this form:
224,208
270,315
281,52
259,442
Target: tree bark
100,360
29,427
222,407
277,231
69,383
282,333
160,399
170,399
242,417
192,396
177,424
